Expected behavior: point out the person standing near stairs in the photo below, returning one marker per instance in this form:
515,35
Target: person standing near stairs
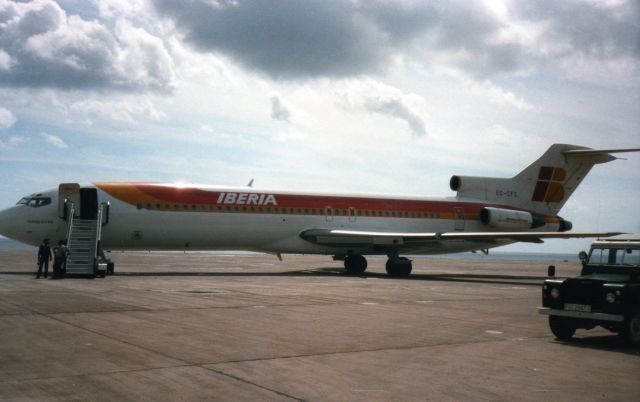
60,253
44,256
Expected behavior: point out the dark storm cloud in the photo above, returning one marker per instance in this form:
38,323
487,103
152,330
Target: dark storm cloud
589,30
42,46
291,39
300,39
286,38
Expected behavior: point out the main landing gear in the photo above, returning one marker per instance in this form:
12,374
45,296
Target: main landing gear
396,266
355,264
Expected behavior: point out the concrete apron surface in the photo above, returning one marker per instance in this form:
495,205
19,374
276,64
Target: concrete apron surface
198,326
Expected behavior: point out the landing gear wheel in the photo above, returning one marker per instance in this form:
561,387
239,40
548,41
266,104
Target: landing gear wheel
631,330
355,264
399,267
561,327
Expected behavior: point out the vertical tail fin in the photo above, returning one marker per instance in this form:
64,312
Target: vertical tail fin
544,186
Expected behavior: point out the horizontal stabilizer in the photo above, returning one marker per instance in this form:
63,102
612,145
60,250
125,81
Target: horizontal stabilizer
590,152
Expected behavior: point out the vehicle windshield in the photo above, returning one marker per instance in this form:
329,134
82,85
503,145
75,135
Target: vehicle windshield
35,202
615,256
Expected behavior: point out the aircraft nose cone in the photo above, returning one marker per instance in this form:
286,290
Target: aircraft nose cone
5,222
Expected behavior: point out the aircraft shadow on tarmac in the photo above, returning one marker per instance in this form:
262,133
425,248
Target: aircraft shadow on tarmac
333,271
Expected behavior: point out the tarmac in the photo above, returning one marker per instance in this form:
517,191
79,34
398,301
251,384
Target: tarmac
224,326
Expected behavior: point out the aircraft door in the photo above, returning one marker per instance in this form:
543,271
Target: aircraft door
459,218
88,203
69,192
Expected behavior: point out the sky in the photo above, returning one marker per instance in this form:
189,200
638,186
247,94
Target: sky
374,97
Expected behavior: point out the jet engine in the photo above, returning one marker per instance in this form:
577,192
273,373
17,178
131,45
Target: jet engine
507,219
565,225
468,183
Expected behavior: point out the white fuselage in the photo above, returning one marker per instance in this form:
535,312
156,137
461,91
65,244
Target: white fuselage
246,222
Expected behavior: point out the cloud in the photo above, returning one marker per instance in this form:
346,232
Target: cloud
284,39
594,29
396,107
132,45
11,142
375,97
43,46
289,39
498,95
279,111
5,61
125,110
6,118
54,140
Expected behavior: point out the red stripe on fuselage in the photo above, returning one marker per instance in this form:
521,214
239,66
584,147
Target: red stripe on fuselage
194,196
147,193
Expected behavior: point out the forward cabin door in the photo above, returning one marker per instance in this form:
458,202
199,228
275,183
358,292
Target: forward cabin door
88,203
67,193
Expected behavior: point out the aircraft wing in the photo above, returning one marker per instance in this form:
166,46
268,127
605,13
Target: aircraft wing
412,239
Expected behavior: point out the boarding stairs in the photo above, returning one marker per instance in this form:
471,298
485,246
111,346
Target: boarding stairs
83,242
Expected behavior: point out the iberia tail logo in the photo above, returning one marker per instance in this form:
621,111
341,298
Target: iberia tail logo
549,185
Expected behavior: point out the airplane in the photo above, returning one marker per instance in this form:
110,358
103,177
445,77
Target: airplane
485,213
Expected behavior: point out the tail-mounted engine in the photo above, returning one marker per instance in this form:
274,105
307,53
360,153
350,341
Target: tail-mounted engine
509,219
499,218
565,226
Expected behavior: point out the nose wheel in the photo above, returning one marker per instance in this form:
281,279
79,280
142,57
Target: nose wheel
399,267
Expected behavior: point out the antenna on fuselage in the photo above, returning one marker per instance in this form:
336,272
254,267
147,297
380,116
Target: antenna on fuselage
250,184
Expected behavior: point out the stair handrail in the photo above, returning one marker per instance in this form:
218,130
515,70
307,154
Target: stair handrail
96,252
70,217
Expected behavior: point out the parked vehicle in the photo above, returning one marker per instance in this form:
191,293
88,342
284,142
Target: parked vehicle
606,294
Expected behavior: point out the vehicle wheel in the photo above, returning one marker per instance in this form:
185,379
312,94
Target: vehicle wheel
631,331
399,267
561,327
355,264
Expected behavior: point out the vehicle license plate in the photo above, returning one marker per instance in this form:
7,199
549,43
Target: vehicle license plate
585,308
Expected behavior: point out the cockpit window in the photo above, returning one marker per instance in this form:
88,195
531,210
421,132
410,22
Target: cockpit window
35,202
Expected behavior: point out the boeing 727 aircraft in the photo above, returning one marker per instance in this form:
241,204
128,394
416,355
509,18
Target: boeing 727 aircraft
485,213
